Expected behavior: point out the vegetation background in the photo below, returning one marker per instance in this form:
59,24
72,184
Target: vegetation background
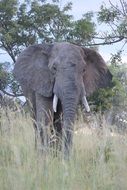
99,157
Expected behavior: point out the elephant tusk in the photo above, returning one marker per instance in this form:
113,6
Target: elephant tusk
1,93
85,103
55,102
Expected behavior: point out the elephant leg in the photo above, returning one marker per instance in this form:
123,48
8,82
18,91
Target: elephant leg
31,102
44,115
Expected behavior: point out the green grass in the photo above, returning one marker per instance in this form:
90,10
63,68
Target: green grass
98,160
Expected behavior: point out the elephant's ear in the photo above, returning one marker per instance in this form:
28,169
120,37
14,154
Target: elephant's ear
32,72
96,74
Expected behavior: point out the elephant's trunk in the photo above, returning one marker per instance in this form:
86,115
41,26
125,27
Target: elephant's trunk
69,109
69,105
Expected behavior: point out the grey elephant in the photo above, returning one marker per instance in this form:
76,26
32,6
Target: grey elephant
55,78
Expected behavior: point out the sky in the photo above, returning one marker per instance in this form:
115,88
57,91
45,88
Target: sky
78,9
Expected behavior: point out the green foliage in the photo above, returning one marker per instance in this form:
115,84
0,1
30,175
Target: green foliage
7,80
116,60
3,77
108,14
116,96
51,23
24,26
84,29
27,23
115,18
13,85
102,99
120,88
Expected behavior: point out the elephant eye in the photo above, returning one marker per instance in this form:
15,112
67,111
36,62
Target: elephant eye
54,67
72,64
84,70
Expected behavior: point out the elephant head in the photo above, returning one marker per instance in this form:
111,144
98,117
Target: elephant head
64,71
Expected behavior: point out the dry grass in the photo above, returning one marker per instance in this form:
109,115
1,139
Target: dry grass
98,160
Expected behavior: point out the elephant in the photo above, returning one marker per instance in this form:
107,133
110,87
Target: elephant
56,78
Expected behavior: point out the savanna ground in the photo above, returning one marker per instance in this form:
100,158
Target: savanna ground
98,160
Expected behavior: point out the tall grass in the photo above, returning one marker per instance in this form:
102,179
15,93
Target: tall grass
98,160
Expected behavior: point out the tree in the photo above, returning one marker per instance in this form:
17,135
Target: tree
115,19
83,30
3,77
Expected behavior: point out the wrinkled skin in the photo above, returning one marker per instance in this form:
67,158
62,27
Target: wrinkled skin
64,71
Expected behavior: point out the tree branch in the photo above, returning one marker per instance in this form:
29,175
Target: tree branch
122,5
12,95
116,8
9,50
111,37
106,43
